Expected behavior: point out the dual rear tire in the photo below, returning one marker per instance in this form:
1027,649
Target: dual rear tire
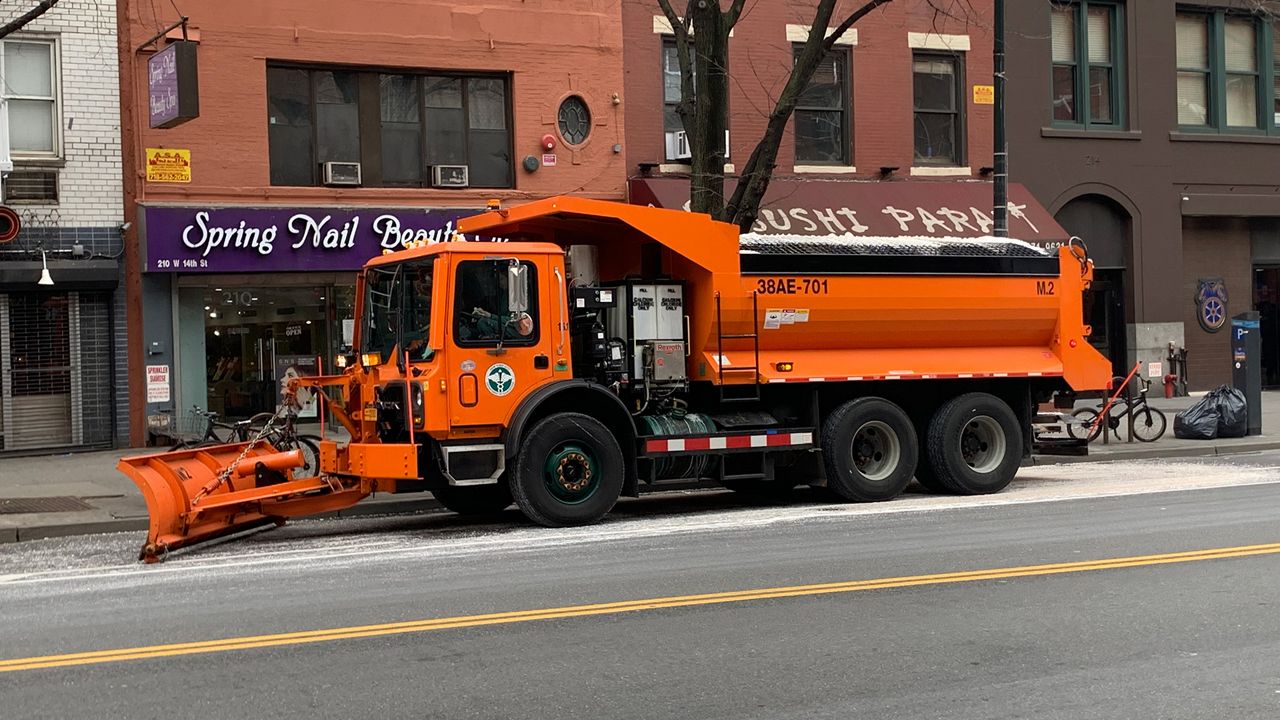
871,450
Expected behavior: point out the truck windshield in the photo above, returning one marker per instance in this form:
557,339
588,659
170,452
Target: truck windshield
398,309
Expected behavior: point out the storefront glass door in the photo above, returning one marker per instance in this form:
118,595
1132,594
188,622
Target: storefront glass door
249,338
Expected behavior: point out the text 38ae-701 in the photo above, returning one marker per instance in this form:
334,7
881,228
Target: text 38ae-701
792,286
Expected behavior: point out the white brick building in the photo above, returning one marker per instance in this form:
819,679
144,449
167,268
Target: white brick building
62,347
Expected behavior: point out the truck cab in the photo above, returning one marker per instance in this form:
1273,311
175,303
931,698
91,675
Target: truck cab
470,329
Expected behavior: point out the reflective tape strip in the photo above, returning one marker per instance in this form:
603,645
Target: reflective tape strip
656,446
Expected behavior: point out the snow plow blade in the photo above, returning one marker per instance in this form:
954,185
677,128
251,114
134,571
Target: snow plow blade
194,496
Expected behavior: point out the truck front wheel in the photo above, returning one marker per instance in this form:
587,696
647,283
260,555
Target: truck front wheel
974,445
869,448
569,471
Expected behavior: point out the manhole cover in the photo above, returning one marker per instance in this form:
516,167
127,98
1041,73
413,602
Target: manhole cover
16,506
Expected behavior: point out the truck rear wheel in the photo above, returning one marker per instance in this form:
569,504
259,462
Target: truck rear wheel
974,445
476,499
569,471
869,448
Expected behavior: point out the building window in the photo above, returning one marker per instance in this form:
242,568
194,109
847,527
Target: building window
395,125
1088,81
822,113
29,71
574,120
1275,76
939,109
671,95
1219,72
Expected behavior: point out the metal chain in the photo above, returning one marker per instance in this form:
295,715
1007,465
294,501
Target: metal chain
226,473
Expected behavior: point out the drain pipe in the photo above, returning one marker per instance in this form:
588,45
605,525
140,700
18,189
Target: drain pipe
1000,186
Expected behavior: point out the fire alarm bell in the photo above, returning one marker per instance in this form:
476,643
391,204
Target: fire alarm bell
548,142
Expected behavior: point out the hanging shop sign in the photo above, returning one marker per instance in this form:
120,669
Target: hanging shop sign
173,85
255,239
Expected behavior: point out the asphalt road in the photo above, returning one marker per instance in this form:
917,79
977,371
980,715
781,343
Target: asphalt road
1166,637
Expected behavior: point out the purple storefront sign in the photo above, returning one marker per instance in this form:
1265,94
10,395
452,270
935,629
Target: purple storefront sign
237,240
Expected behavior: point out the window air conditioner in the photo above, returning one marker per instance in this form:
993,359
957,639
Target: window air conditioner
678,145
342,173
449,176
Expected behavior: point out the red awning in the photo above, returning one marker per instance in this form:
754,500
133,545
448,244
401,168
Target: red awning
888,209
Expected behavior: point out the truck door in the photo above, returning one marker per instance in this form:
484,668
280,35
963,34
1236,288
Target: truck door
502,327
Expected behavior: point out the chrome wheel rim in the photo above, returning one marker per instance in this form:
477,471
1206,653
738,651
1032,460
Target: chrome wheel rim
982,444
877,451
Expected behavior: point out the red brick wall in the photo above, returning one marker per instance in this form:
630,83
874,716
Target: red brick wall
552,49
1214,247
760,58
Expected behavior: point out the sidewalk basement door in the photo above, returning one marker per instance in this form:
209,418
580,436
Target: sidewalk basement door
55,370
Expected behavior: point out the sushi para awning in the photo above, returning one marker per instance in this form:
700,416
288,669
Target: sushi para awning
874,208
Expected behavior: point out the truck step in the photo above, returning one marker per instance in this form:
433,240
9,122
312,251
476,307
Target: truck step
745,476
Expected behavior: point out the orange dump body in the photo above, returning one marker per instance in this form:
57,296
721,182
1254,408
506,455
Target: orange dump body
831,326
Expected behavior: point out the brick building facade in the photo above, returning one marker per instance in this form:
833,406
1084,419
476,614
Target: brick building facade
62,346
322,142
878,55
893,135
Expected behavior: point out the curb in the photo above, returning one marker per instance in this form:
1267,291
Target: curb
89,527
1156,454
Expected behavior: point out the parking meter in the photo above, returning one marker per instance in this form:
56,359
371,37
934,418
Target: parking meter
1246,364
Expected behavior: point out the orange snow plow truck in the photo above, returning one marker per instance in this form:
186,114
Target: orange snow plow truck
600,349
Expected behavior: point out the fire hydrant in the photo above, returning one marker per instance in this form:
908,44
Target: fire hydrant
1170,384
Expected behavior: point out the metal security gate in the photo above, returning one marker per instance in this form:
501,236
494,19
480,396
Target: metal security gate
55,370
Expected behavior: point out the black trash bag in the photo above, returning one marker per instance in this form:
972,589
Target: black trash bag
1198,422
1233,412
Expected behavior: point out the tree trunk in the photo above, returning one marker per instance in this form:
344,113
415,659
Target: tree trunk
710,117
21,21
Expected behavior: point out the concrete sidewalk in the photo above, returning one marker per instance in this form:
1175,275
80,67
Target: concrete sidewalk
93,497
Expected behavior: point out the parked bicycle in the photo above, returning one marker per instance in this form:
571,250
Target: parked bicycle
1148,423
202,428
283,435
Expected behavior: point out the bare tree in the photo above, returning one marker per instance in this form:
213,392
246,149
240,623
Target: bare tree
24,19
702,48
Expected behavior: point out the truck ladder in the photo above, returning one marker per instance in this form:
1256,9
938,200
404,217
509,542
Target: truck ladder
723,367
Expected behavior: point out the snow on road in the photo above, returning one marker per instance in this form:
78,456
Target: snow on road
439,536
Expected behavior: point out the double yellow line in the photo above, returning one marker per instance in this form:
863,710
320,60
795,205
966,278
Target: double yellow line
573,611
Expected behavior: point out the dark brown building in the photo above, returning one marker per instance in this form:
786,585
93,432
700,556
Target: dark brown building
1152,130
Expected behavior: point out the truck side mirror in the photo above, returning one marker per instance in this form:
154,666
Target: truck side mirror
517,288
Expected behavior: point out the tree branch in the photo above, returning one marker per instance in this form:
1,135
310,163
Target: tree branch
23,20
734,12
830,40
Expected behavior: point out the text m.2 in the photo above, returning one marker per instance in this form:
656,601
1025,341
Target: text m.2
1044,287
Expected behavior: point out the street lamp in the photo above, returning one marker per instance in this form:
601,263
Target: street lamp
45,277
